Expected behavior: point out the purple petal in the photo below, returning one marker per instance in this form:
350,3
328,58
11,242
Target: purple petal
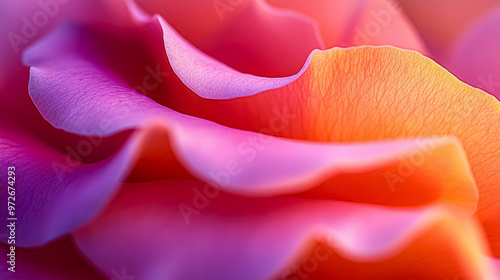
476,58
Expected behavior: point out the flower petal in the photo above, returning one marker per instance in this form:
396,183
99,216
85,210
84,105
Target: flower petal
242,238
78,81
23,23
476,59
67,83
47,184
362,94
248,35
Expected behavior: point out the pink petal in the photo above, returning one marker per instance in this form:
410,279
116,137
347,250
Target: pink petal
144,230
496,263
249,35
201,73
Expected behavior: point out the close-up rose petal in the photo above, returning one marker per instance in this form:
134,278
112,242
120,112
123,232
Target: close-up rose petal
245,149
63,178
249,139
262,238
484,164
373,94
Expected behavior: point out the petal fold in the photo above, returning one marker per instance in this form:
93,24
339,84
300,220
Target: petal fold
78,85
78,89
230,237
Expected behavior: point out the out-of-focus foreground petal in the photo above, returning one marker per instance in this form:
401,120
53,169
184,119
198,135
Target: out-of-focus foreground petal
262,238
356,23
57,261
476,59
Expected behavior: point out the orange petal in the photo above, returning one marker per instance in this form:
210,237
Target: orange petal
369,93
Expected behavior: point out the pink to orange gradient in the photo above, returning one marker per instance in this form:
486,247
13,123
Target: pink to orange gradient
249,139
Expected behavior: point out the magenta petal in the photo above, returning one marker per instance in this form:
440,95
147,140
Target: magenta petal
56,194
57,261
17,31
476,59
169,230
